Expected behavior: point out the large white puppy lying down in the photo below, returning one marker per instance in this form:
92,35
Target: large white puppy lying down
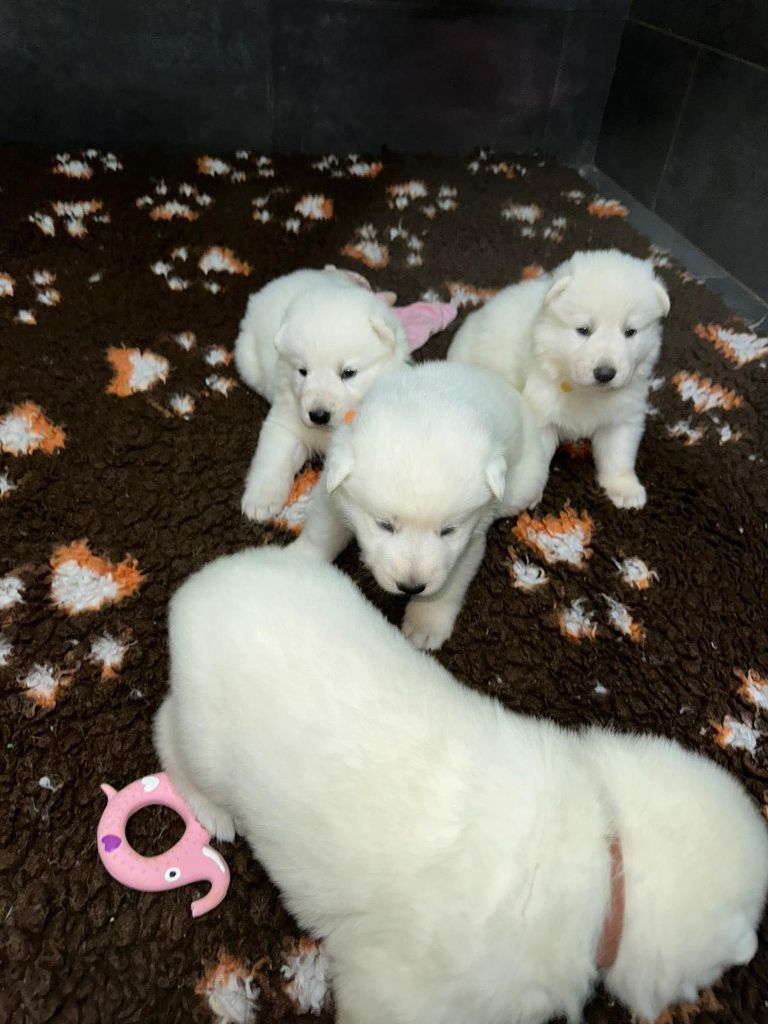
457,859
581,345
312,343
435,454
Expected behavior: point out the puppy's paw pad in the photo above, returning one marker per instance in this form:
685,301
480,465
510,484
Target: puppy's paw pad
625,491
427,626
260,507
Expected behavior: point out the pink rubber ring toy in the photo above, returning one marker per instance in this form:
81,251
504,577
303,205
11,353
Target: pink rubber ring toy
190,860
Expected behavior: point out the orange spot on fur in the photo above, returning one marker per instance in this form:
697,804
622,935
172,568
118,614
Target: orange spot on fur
315,207
73,591
351,416
372,170
221,259
135,370
739,347
227,979
35,433
578,449
636,632
686,1013
372,254
754,688
563,538
171,212
466,294
532,271
607,208
704,393
43,685
292,516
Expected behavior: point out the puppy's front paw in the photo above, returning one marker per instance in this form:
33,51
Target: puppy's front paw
625,490
260,504
428,624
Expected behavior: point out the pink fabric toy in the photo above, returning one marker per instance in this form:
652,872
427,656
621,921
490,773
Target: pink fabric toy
420,320
423,319
190,860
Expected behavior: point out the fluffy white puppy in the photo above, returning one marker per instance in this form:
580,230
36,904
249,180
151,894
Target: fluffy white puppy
435,454
580,344
312,343
456,858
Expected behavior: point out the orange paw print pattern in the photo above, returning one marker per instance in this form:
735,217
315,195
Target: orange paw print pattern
84,582
135,370
603,208
294,513
26,429
562,538
738,347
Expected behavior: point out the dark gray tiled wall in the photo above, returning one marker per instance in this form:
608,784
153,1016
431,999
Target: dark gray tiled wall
737,27
715,189
686,126
309,75
116,73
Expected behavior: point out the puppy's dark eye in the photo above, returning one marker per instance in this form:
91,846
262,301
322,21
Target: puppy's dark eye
303,371
630,332
584,331
447,531
384,524
348,374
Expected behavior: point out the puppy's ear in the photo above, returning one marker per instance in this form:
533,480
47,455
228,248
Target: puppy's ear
278,341
384,331
557,289
496,475
662,296
340,461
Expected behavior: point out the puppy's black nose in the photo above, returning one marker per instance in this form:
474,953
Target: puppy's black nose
411,588
604,373
322,416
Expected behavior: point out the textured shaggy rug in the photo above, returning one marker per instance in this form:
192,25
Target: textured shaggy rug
124,441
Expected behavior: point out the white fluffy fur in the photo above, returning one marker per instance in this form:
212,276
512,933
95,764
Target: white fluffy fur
300,333
529,333
453,855
438,447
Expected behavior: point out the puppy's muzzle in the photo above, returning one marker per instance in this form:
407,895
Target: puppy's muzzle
604,374
412,589
320,417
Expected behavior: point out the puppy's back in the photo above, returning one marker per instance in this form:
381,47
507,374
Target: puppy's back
696,868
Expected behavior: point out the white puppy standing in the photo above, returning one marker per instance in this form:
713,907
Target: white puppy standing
434,455
456,858
312,343
581,345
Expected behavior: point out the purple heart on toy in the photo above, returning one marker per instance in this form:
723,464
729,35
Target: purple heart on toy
111,843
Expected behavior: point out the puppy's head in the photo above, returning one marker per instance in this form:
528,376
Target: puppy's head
334,343
413,476
601,320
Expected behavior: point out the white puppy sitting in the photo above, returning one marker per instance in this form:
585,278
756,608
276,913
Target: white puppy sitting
580,344
461,862
435,454
312,343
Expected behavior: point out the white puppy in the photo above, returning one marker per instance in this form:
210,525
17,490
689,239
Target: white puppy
435,454
580,344
457,859
312,343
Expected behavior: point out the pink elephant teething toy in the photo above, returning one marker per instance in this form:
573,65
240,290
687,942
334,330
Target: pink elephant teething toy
190,860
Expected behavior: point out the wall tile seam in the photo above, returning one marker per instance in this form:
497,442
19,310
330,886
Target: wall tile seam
697,43
676,130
